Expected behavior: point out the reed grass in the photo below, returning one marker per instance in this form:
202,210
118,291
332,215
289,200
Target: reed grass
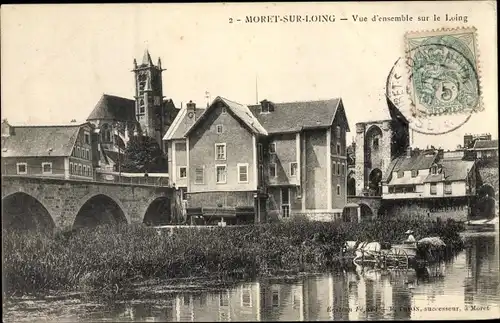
107,259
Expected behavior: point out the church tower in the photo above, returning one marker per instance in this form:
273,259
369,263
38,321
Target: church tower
149,97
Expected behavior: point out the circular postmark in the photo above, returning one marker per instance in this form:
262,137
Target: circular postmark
435,87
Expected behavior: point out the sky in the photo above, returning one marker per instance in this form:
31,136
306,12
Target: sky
57,60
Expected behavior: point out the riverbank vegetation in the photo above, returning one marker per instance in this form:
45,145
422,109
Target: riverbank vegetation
107,259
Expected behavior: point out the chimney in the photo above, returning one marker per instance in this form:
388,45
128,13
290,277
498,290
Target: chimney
408,152
440,153
191,111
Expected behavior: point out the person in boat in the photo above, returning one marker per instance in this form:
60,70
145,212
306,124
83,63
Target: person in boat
410,239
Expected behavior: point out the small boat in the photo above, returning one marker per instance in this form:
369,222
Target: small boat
482,225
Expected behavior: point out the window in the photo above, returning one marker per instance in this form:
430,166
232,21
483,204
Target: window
221,174
414,173
375,143
334,167
218,128
223,110
71,168
182,172
73,153
79,169
285,202
338,189
246,297
22,168
88,154
338,148
276,298
157,100
337,132
46,168
264,107
199,175
261,175
260,152
447,188
272,170
183,191
223,299
338,169
87,137
272,148
433,188
78,152
343,169
293,169
434,170
84,170
401,174
242,173
220,151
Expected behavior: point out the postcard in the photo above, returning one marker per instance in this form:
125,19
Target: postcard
250,161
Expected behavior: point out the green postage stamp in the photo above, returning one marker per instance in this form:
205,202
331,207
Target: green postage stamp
443,65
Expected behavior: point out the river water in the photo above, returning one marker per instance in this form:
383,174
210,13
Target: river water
466,287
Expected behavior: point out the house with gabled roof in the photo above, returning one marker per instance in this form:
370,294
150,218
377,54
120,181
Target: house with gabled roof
61,151
430,182
250,163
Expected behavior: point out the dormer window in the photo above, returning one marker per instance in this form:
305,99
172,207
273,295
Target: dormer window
266,106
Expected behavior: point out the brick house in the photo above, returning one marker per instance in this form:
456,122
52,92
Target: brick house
275,159
64,151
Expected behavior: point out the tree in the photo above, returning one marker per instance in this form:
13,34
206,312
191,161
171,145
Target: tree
143,154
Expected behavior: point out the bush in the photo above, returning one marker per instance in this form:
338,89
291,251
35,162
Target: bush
109,258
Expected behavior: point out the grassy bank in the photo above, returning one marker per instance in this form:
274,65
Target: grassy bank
109,258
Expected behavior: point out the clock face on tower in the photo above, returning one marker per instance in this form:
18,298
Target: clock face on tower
190,115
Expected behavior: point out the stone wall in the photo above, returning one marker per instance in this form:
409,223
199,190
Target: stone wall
457,213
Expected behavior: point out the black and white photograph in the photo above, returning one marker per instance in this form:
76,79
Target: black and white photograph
207,162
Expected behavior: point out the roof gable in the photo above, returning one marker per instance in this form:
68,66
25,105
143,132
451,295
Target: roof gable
296,116
110,107
239,111
38,141
180,124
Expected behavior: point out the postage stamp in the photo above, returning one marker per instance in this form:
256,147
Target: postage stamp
444,68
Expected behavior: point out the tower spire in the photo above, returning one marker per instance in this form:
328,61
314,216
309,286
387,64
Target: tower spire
146,58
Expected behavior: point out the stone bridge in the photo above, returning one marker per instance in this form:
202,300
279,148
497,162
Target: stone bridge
369,206
40,202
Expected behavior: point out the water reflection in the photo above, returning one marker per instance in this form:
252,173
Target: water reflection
470,279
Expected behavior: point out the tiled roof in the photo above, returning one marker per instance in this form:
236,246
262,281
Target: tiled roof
239,110
486,144
417,161
112,107
181,124
244,113
296,116
453,170
37,141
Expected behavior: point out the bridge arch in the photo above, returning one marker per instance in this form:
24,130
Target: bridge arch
158,211
366,212
486,189
99,209
374,181
22,211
